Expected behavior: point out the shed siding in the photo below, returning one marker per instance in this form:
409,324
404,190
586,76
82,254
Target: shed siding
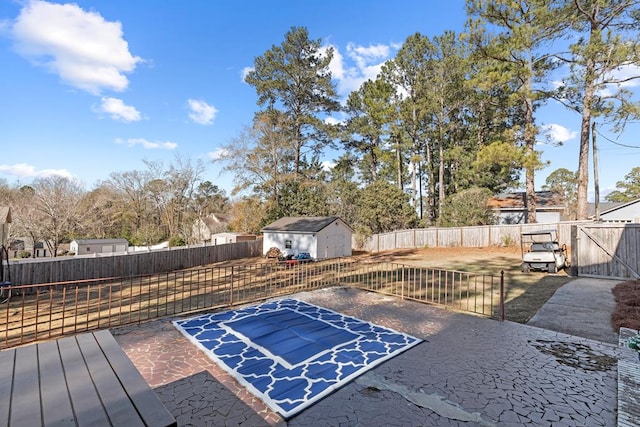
334,241
300,242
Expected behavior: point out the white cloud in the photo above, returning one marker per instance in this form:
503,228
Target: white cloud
367,60
84,49
201,112
333,121
364,55
558,133
118,110
327,165
245,71
149,145
24,170
336,66
627,72
218,154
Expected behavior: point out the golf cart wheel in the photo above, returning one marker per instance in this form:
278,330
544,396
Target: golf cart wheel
552,267
525,268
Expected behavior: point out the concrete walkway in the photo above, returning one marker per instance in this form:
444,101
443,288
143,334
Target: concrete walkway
582,307
469,371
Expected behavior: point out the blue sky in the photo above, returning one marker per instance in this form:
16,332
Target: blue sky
94,87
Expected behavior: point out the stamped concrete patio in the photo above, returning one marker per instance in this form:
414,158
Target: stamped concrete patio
468,371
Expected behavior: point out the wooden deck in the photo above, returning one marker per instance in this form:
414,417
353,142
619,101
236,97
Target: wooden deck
76,381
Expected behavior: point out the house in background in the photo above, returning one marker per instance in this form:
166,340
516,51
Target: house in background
511,208
23,247
228,237
627,212
98,246
5,220
322,237
204,228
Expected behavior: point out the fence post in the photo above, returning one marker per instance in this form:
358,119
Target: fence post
502,295
231,288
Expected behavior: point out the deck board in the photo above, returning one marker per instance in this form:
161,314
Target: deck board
146,401
55,400
84,397
85,380
25,412
7,359
114,398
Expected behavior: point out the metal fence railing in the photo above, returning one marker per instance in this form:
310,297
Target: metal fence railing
38,312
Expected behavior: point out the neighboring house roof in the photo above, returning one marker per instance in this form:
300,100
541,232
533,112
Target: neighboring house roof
620,205
5,214
309,224
215,222
17,245
100,241
220,218
548,200
604,207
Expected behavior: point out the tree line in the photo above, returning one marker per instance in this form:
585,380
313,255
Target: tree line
450,114
448,122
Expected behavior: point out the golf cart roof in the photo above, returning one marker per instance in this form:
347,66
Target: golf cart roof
539,232
550,234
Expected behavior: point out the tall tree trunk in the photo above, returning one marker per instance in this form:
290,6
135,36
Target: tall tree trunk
414,183
583,157
431,187
420,210
530,142
596,182
441,192
414,152
399,164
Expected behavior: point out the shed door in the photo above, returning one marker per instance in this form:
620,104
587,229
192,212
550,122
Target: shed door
334,246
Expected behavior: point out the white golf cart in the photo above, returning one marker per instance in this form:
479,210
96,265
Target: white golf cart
541,251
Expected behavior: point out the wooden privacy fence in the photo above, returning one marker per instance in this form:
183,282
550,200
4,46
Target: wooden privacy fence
607,251
38,312
479,236
65,269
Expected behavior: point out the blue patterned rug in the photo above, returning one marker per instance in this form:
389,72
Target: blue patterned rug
291,353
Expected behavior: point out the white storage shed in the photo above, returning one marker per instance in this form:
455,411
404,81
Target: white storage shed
99,246
321,236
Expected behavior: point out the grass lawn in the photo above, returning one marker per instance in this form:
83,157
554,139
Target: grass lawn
525,293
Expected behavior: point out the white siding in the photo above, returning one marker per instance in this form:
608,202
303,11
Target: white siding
547,217
630,213
334,241
300,242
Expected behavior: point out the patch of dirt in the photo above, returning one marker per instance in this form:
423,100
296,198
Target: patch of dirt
504,258
525,293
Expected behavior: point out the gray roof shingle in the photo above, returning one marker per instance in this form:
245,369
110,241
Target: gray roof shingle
309,224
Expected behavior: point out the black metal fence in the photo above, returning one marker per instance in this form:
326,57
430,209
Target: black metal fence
39,312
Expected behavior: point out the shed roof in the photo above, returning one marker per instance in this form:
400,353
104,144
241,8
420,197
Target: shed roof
308,224
100,241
